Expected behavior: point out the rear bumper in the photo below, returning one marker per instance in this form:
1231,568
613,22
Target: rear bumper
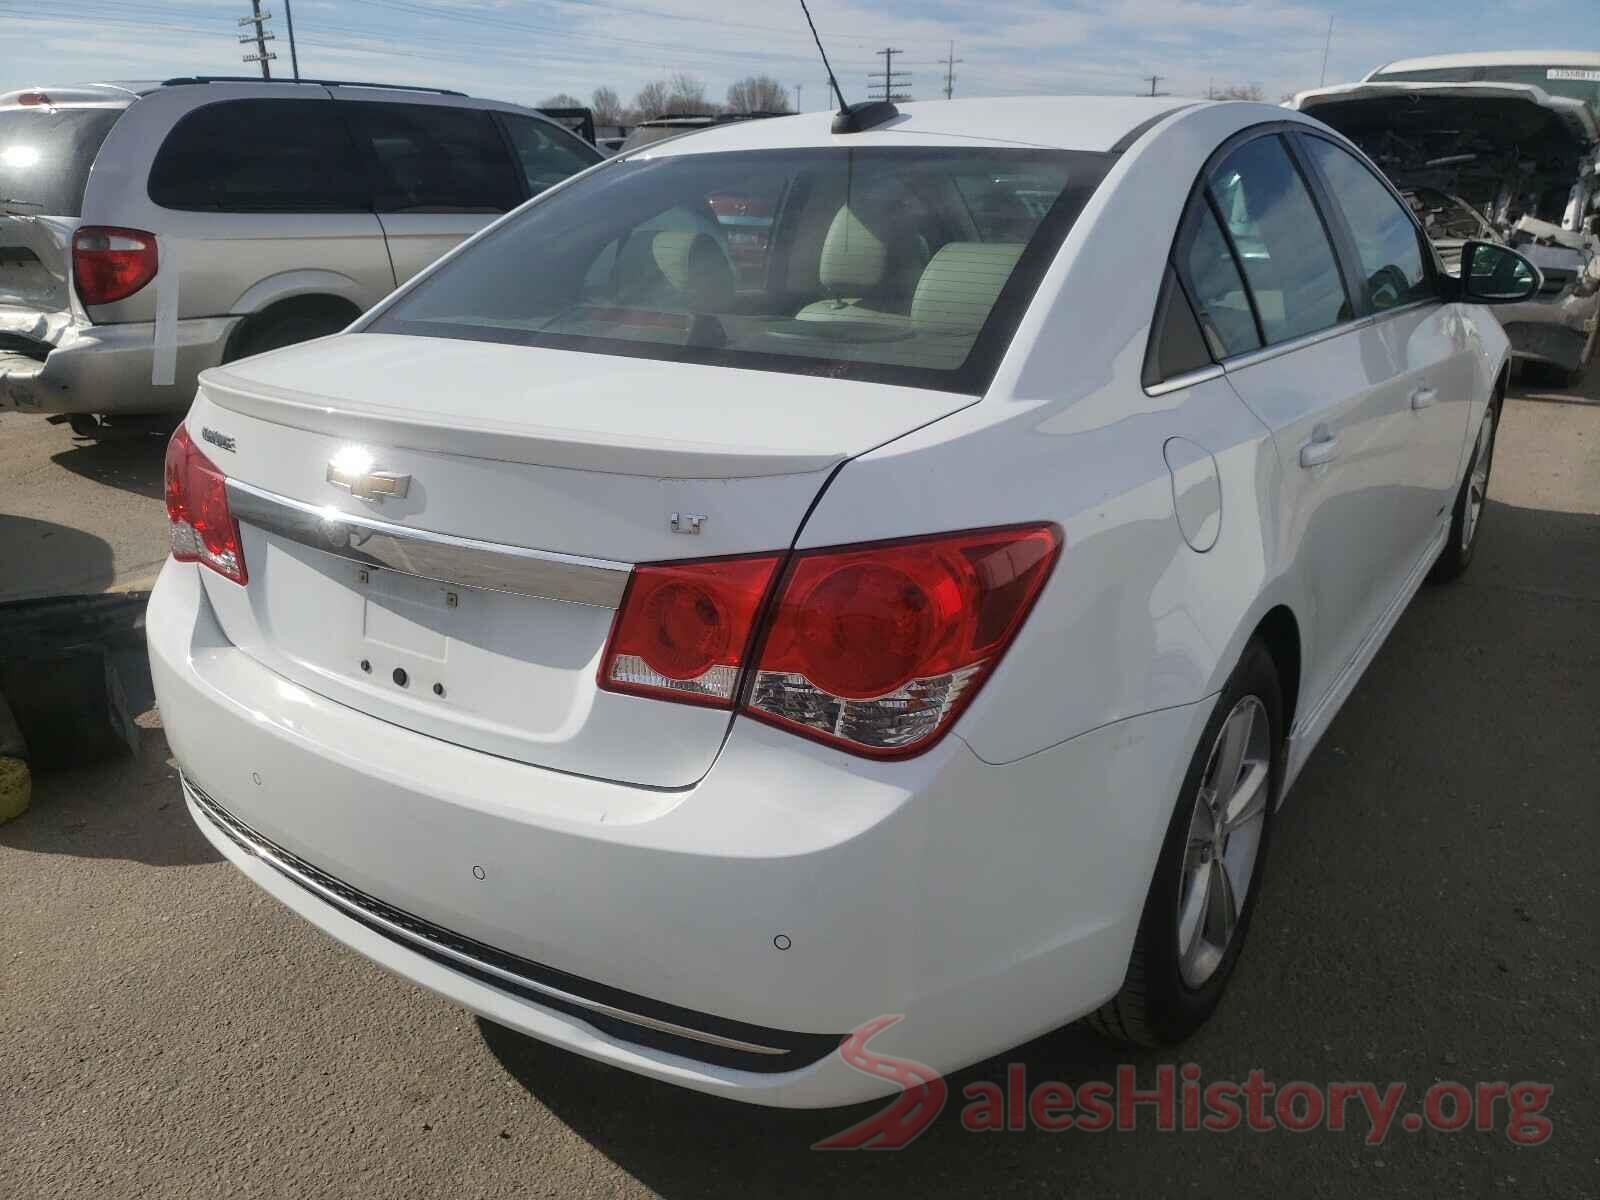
108,368
985,904
1554,332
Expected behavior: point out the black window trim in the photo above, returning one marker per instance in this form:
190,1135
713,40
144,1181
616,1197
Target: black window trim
1201,188
1349,248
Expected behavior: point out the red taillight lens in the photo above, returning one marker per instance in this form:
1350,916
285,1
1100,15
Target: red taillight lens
198,521
684,629
110,263
875,649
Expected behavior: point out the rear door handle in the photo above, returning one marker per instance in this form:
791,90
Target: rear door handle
1322,448
1424,397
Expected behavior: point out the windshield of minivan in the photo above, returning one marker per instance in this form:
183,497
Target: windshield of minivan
909,266
45,156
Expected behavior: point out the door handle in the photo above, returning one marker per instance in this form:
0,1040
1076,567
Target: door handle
1424,397
1322,448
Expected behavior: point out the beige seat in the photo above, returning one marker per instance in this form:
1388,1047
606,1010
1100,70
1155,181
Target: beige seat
960,286
676,268
869,268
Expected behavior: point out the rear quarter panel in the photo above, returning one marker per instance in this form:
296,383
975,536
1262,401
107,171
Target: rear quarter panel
1133,619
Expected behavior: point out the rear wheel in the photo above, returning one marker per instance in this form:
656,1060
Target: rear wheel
1208,874
288,323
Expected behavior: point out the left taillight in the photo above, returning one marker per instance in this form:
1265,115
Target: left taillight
110,263
875,649
199,523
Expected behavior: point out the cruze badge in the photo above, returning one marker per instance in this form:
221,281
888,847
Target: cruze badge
351,469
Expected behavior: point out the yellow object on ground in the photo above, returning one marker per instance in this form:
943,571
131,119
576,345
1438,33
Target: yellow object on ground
16,788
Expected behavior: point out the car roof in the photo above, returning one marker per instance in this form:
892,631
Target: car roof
1494,58
1056,122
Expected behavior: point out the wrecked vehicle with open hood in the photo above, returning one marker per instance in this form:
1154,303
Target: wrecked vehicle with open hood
1494,160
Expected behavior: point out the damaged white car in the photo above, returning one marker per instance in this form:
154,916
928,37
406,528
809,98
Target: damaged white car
1499,147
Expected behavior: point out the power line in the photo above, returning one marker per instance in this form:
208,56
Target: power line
260,37
950,60
891,81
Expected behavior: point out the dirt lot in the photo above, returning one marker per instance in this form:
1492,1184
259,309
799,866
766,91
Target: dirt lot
1432,911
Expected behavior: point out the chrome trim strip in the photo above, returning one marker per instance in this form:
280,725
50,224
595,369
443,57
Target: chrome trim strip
285,864
1187,379
1239,361
493,566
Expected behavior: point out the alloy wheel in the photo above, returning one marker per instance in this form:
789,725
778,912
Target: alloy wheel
1230,813
1478,483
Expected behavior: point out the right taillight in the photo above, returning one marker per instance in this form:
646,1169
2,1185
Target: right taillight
875,648
199,523
110,263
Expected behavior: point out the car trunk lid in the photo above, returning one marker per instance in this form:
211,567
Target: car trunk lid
475,607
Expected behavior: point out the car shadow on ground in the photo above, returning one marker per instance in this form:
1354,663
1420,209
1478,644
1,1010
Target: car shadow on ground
43,558
131,462
1427,863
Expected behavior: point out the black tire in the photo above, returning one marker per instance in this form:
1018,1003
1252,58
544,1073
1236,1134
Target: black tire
1155,1006
1462,544
294,321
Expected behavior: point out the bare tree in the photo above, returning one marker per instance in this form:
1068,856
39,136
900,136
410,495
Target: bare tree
1239,91
607,106
672,97
561,100
758,93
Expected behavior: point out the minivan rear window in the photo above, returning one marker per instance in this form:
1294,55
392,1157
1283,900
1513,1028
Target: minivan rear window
900,265
45,156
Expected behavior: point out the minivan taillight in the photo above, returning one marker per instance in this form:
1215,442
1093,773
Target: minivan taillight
198,521
875,648
110,263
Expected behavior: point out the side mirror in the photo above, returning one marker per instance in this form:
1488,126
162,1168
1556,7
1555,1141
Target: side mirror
1495,274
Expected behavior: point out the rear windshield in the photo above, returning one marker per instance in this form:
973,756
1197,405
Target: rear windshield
45,156
909,266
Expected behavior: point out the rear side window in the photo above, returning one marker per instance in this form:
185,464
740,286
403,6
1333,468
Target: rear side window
260,156
1218,288
545,153
431,158
1385,236
45,156
1274,225
1177,344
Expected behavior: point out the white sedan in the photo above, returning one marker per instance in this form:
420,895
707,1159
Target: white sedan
785,578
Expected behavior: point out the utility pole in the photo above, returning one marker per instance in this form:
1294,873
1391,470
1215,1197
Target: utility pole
1153,80
797,89
892,80
294,58
950,62
1326,46
260,37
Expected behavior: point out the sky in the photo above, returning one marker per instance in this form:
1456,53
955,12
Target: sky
527,50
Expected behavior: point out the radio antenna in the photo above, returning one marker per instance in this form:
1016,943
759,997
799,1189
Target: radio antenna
843,106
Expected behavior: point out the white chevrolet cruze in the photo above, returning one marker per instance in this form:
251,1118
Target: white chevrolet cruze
783,578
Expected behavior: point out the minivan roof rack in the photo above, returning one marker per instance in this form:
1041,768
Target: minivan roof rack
399,87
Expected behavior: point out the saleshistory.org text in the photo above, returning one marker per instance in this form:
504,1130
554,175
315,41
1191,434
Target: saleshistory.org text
1174,1098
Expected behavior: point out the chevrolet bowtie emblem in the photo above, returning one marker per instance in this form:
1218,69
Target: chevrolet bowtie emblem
369,485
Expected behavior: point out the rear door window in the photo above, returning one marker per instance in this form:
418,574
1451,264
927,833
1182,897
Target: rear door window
435,159
1274,225
260,156
45,156
546,154
1214,281
1386,238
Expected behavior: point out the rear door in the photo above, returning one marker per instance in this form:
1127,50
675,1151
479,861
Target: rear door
1302,356
442,172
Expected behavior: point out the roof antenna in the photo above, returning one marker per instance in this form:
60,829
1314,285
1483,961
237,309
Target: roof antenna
851,118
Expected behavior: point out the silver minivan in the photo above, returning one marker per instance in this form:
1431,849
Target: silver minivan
151,230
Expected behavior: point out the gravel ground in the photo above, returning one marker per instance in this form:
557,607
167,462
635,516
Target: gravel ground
1432,911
